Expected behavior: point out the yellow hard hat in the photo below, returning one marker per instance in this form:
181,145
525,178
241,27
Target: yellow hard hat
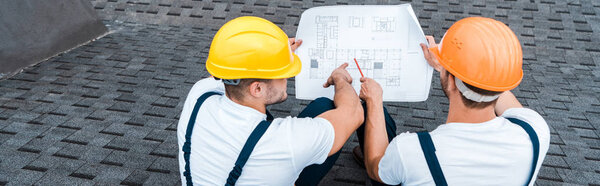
251,47
483,53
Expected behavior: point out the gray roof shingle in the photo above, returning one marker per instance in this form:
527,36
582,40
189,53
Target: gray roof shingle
106,112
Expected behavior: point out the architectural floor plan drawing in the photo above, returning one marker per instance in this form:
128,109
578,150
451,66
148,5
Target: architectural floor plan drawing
383,39
384,24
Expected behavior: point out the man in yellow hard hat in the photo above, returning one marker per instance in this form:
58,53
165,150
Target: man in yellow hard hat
488,138
226,135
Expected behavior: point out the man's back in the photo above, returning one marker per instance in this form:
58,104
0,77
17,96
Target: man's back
222,128
496,152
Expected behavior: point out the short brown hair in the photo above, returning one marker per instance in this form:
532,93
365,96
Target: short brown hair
473,104
238,91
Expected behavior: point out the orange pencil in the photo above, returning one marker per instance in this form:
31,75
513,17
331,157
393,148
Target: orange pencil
361,74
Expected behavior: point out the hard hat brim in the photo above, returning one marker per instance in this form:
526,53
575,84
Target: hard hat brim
290,71
294,70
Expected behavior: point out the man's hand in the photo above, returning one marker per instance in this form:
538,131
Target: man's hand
294,44
338,74
370,90
433,62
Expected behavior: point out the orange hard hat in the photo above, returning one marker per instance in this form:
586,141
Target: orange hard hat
482,52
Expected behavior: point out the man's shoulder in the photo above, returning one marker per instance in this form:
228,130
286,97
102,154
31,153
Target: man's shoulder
406,140
301,130
309,139
530,116
306,122
522,113
207,84
199,88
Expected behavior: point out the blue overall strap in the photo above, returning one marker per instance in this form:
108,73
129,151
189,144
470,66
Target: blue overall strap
188,136
431,158
246,151
534,141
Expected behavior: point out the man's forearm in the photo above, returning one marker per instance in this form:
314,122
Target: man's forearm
345,95
376,140
346,117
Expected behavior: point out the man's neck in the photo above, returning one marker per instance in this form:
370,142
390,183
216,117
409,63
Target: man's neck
255,104
459,113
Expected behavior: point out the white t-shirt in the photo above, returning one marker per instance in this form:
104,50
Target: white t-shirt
496,152
222,128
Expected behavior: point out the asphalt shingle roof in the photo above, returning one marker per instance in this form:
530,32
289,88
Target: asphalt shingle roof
106,112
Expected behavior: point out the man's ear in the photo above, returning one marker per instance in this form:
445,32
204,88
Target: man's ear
256,89
451,86
451,83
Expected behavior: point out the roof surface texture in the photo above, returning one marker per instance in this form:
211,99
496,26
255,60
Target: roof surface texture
106,112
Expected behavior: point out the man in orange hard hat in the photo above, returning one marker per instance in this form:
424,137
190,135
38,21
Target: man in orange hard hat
227,136
488,138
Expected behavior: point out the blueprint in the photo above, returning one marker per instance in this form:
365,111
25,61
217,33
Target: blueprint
383,39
